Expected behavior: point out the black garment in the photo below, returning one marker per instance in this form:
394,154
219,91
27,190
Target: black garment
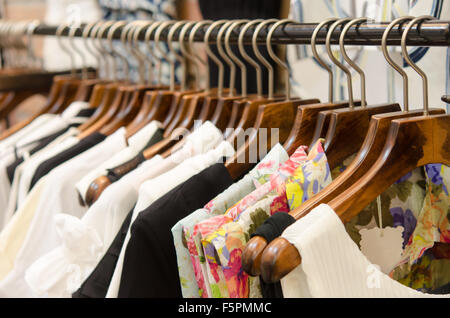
150,263
272,228
241,9
44,141
118,172
11,169
97,283
83,145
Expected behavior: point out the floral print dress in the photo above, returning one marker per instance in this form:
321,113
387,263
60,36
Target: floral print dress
189,263
228,242
209,233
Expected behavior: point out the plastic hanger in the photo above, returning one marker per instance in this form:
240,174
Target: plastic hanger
366,157
411,143
348,126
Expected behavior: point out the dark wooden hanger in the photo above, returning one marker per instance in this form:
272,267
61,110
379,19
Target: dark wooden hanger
320,116
412,142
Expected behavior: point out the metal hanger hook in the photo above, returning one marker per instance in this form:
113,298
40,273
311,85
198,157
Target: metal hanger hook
194,30
276,58
411,63
76,49
320,60
213,57
250,60
391,62
230,52
349,61
86,31
148,33
178,57
144,57
59,32
335,61
159,29
261,58
226,58
186,52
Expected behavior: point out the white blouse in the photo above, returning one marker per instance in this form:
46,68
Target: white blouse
57,195
332,264
135,144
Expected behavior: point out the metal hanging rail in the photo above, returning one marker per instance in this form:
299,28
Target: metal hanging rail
432,33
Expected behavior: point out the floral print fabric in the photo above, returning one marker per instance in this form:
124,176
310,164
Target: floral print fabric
419,202
189,263
225,245
209,229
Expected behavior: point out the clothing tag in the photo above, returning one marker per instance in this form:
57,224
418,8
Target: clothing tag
383,247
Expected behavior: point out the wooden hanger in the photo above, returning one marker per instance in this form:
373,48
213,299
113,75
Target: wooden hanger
165,104
369,152
117,94
373,143
348,127
148,111
279,115
411,143
134,94
309,124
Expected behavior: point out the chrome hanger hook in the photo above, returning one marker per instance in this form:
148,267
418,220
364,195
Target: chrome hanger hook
213,57
335,61
59,32
276,58
194,30
178,57
352,63
230,52
320,60
261,58
227,59
252,62
411,63
391,62
159,29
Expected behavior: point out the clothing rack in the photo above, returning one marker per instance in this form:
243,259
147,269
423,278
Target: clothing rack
433,33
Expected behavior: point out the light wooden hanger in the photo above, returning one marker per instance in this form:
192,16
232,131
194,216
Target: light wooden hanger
103,93
62,92
412,142
367,155
135,93
114,97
